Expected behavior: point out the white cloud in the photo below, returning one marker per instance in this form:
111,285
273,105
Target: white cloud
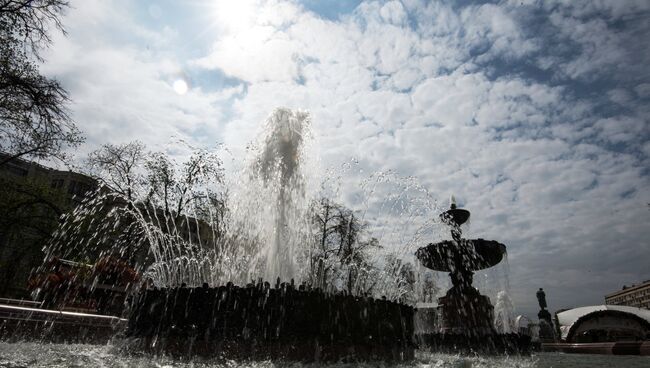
123,90
393,12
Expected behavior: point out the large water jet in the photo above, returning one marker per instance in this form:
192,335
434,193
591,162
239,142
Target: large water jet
278,168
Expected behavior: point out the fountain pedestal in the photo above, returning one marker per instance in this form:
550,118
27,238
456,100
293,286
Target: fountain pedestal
465,311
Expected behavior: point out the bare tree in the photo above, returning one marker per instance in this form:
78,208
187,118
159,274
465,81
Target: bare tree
28,21
342,251
326,221
34,120
116,166
399,280
176,187
158,182
148,201
211,208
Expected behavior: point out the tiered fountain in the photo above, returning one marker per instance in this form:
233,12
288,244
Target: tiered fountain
465,316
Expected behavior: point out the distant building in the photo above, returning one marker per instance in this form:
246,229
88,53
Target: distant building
33,198
603,323
71,183
632,296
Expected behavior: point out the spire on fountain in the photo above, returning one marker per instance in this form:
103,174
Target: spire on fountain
455,217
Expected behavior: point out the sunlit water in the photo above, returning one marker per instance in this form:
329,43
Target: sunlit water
59,355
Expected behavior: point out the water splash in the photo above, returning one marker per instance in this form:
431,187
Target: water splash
504,313
272,200
59,355
261,224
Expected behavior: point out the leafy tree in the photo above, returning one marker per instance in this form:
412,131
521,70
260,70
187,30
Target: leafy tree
34,120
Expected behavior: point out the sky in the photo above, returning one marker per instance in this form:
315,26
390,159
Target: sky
535,114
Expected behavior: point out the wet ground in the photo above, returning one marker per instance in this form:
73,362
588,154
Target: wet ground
18,355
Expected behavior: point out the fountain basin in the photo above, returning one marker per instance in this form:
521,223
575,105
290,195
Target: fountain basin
472,344
270,323
470,254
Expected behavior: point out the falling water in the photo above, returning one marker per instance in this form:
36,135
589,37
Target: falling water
503,313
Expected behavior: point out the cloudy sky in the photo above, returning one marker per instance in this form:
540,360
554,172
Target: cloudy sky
534,113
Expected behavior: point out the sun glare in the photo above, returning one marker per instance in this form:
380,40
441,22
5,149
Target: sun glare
180,86
234,14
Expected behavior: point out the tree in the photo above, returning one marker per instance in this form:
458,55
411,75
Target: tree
399,280
342,253
325,220
34,120
116,166
27,21
157,180
175,188
151,209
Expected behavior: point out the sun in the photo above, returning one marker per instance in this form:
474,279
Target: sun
180,86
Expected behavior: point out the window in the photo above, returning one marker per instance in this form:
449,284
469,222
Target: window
16,169
77,188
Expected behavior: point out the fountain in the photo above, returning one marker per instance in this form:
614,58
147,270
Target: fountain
257,319
235,295
465,316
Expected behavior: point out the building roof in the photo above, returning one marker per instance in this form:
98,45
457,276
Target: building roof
627,289
568,317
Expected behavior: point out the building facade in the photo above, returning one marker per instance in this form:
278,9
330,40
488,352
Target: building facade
32,200
632,296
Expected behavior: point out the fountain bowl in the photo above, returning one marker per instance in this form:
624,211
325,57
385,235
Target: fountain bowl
474,254
455,216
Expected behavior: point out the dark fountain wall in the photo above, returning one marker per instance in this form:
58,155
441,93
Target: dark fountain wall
276,323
